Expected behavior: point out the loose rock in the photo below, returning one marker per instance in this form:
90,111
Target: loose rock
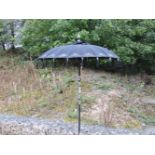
13,125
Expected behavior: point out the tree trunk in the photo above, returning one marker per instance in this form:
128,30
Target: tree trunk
3,45
2,42
13,35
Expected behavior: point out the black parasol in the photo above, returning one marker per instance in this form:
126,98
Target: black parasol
80,50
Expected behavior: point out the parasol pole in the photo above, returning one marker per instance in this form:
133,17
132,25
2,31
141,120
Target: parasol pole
79,96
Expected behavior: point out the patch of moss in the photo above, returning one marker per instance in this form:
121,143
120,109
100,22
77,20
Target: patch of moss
72,113
85,86
85,100
105,86
132,124
89,121
147,119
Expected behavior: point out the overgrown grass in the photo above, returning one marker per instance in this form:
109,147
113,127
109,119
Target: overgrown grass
47,93
143,113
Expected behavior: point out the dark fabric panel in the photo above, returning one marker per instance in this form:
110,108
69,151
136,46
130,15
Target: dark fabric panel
78,50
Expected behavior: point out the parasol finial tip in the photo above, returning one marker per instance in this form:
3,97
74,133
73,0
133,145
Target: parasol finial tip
78,39
78,36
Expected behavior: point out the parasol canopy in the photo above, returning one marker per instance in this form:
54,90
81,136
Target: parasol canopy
79,49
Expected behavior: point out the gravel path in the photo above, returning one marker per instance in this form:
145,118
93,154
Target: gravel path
13,125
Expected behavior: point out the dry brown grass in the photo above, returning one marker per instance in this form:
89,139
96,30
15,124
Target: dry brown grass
25,90
107,98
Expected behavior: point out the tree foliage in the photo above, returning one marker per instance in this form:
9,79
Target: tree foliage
9,29
132,40
39,35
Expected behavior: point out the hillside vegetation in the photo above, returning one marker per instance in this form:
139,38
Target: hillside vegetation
107,98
